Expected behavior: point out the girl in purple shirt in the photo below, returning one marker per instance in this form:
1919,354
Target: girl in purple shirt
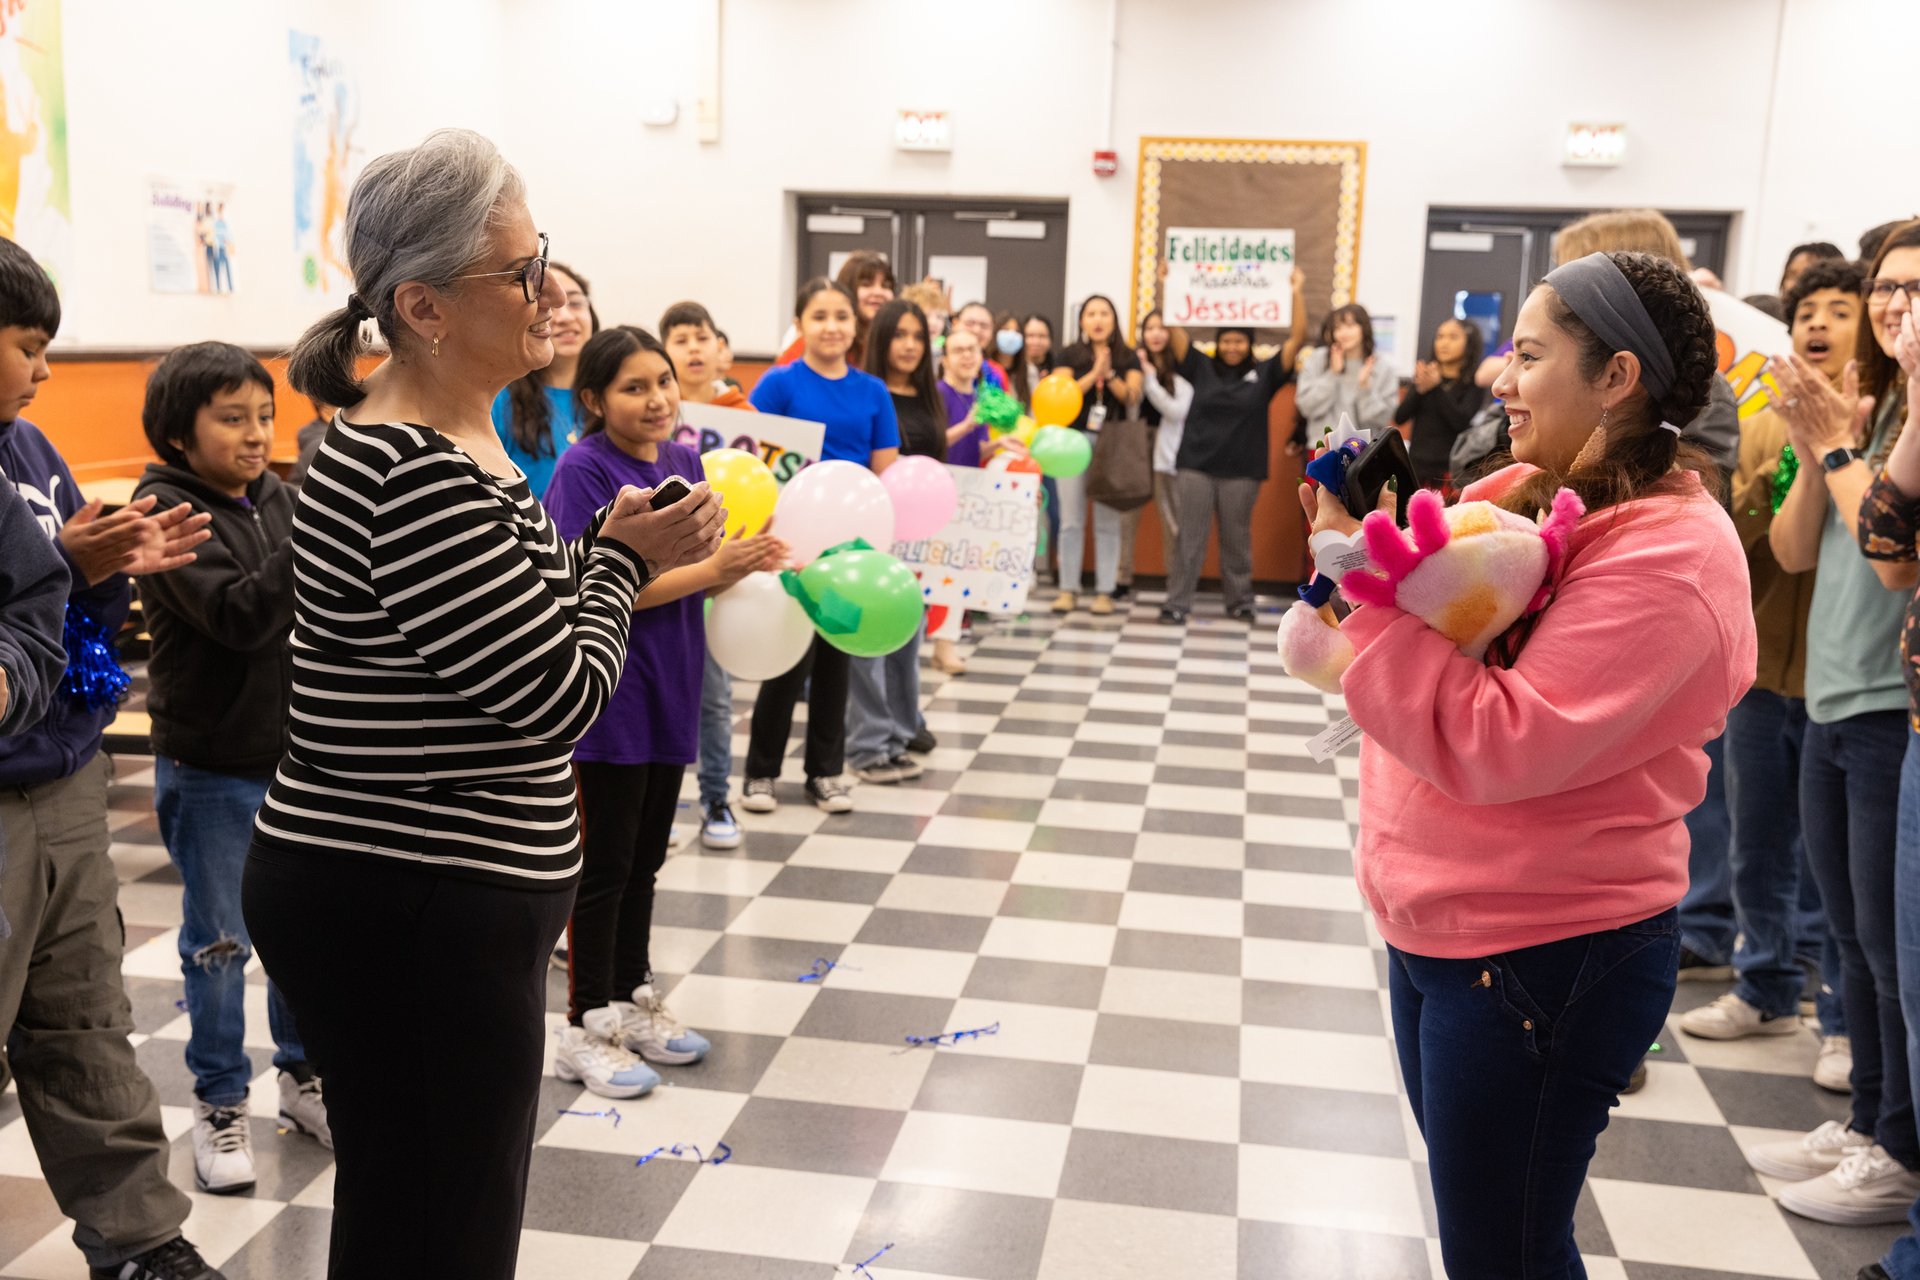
629,765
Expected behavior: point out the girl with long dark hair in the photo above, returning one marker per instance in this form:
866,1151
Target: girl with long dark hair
1443,400
1108,374
1347,375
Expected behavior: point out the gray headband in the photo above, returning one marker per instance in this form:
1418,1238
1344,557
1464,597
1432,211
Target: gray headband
1596,291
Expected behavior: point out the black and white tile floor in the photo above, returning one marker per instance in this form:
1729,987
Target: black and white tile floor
1121,854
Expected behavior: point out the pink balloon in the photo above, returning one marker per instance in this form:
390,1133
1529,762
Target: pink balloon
830,503
924,497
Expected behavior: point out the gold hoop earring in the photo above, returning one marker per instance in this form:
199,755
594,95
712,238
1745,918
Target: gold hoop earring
436,348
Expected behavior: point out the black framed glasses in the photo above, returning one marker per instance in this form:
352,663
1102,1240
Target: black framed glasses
532,277
1881,289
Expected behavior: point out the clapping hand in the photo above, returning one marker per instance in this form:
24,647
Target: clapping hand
741,556
1819,419
684,533
1426,375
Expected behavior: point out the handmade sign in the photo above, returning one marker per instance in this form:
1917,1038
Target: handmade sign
784,444
1229,276
983,558
1747,337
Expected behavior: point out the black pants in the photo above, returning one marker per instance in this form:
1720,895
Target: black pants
374,957
626,815
826,715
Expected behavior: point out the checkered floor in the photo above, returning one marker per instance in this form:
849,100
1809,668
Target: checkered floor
1121,854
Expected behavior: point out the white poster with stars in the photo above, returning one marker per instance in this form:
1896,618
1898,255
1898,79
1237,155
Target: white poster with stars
983,558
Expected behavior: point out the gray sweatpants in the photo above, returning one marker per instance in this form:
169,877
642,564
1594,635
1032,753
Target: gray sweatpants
1199,499
91,1111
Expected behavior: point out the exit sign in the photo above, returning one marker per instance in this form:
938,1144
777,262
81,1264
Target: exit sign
1595,145
923,131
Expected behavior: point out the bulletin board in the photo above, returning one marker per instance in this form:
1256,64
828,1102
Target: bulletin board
1315,188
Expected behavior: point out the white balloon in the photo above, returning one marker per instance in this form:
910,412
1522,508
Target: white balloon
755,630
830,503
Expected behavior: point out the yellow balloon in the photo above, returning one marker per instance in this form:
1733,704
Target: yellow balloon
1023,430
746,487
1056,400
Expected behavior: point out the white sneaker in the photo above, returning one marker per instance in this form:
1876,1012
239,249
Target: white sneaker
649,1029
757,796
1808,1157
590,1055
1867,1188
222,1149
1833,1069
1731,1018
302,1108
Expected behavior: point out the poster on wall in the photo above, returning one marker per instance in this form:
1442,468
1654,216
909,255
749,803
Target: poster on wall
326,112
190,247
983,558
1229,275
784,444
36,203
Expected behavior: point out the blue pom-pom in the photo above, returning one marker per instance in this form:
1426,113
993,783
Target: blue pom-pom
94,677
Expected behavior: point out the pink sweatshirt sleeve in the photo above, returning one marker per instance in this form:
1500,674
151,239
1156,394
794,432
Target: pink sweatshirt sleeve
1610,678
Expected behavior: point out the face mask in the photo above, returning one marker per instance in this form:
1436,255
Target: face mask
1009,342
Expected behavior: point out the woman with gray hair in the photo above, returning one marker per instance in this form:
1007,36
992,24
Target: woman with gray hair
418,849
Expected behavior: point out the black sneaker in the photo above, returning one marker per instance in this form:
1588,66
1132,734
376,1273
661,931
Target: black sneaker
922,742
1695,967
908,767
1873,1271
1121,591
174,1260
1243,613
1173,617
830,795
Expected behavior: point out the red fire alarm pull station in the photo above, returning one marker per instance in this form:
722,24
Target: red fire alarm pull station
1106,163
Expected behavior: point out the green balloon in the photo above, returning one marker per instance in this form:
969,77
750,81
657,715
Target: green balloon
1061,451
863,602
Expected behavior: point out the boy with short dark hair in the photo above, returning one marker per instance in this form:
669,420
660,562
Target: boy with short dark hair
64,1016
694,343
687,331
218,682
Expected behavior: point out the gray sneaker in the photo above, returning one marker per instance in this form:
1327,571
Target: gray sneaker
302,1108
757,796
222,1149
830,795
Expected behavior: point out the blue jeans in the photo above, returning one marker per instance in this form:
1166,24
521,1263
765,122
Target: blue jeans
1903,1259
1511,1064
716,734
1706,913
1848,771
1776,903
883,713
206,819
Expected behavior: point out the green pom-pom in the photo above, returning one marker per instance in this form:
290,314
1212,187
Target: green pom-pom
1000,411
1783,476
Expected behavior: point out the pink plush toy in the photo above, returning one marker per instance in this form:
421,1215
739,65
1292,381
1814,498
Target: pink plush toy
1469,571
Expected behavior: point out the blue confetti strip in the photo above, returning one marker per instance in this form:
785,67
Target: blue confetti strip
721,1153
181,1005
955,1037
821,968
860,1268
611,1113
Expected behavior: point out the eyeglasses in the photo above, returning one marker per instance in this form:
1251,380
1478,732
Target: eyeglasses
1881,289
533,276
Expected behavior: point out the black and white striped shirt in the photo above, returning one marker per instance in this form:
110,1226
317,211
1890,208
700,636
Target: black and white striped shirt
448,650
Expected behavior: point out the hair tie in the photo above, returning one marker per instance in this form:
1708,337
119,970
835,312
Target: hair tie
1668,426
357,309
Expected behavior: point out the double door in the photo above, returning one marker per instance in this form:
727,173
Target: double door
1009,254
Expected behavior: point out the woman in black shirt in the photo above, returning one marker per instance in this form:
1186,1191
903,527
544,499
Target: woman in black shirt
1223,459
883,711
1110,384
1443,400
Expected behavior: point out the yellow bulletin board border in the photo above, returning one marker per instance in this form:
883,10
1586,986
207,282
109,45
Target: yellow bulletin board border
1350,156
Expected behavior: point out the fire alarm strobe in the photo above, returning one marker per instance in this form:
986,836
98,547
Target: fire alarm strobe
1106,163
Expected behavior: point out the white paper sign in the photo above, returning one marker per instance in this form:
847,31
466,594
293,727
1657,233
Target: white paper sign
983,558
1747,336
1229,276
784,444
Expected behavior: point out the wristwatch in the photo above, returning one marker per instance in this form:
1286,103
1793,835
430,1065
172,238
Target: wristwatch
1834,459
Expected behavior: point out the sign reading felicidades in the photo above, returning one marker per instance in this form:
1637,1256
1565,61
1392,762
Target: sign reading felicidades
1229,276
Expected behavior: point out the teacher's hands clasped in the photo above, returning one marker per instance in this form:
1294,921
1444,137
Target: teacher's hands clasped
684,533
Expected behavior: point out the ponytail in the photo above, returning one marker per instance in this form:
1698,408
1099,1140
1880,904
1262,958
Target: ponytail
325,362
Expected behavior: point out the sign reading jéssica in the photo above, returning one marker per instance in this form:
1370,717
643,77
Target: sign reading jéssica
1229,276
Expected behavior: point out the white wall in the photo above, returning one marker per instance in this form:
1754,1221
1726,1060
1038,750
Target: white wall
1463,103
203,91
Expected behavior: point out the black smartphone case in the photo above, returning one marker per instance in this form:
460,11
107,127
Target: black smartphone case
1385,459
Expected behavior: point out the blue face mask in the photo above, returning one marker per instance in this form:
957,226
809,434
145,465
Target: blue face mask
1009,342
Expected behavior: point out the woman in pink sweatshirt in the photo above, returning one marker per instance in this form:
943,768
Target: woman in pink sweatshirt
1521,837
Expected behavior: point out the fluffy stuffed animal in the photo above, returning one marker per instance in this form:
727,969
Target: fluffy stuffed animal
1469,571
